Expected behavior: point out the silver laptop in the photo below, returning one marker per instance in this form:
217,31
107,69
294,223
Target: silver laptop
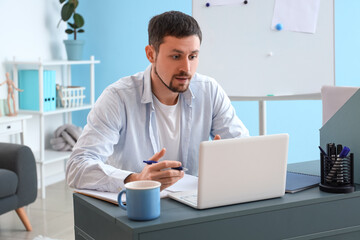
239,170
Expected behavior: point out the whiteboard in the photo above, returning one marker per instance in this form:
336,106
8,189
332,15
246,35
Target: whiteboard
237,42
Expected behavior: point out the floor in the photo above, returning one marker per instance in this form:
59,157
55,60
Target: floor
51,218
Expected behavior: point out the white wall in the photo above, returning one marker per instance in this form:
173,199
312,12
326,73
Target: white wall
29,32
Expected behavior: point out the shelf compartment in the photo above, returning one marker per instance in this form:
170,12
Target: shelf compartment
58,110
54,63
52,156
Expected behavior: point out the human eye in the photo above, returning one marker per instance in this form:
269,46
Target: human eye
193,56
175,57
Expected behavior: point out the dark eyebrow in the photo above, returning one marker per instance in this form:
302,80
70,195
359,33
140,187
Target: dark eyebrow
179,51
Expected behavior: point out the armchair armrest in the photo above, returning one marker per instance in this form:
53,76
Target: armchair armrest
20,159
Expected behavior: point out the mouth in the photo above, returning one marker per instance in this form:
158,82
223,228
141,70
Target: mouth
182,78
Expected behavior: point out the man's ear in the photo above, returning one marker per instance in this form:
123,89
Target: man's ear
150,53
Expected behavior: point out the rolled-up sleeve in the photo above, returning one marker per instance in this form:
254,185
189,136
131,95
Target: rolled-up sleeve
225,122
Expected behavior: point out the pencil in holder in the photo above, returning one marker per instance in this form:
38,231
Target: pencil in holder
337,174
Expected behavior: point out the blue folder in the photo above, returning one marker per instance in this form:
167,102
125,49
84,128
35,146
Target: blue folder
29,82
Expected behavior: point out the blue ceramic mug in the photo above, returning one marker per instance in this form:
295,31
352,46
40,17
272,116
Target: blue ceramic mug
142,200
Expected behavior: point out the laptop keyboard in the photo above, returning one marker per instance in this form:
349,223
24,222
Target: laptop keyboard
190,198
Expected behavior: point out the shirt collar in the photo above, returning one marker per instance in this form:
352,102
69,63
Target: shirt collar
147,92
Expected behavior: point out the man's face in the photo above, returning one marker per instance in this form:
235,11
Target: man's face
177,61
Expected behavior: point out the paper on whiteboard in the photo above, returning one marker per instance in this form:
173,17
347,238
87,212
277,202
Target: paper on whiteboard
225,2
296,15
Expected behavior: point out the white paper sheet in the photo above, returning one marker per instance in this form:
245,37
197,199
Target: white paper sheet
296,15
333,98
187,183
224,2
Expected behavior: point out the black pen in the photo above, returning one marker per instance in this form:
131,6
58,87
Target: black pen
332,153
323,152
339,148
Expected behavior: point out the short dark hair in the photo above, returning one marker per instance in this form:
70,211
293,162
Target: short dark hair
172,23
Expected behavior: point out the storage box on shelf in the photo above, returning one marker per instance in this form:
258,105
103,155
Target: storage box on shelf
70,96
72,100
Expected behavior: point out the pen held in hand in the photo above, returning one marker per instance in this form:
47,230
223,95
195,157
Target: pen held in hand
177,168
149,162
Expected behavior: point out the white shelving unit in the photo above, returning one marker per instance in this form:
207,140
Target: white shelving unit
48,156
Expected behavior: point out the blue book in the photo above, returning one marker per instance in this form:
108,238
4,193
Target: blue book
29,82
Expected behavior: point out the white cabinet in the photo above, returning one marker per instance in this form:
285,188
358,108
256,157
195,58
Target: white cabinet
14,125
48,156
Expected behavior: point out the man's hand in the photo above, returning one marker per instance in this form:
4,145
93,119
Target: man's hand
154,172
217,137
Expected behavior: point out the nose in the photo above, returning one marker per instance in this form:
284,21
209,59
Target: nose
185,65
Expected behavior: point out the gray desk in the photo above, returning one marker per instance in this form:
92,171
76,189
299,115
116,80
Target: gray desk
310,214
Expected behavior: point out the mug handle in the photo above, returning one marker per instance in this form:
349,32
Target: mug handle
119,199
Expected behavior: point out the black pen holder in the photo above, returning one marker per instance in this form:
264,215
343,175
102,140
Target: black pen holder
337,174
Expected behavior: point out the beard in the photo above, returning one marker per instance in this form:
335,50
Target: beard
176,89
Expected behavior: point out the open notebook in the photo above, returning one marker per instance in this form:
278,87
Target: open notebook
189,182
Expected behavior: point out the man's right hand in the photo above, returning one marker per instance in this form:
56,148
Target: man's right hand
217,137
155,172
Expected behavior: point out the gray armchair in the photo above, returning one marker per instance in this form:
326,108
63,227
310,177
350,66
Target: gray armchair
18,180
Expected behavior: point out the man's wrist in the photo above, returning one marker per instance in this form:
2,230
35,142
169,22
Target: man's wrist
130,178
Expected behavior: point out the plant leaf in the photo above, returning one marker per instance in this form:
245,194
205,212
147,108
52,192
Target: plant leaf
75,2
61,1
81,31
69,31
72,25
66,11
78,20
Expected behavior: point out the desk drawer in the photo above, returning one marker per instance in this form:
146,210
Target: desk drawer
11,127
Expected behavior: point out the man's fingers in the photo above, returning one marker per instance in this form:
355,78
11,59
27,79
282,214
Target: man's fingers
167,182
165,164
158,155
168,176
171,173
153,171
217,137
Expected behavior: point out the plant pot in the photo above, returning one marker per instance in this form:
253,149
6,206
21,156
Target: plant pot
74,49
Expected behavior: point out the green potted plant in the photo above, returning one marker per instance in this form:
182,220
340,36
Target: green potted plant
73,47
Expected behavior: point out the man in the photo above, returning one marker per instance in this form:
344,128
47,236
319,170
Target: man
161,113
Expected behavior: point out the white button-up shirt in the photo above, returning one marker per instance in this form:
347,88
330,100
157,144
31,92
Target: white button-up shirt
121,130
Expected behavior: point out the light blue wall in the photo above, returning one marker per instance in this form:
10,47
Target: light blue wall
300,119
116,33
347,41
